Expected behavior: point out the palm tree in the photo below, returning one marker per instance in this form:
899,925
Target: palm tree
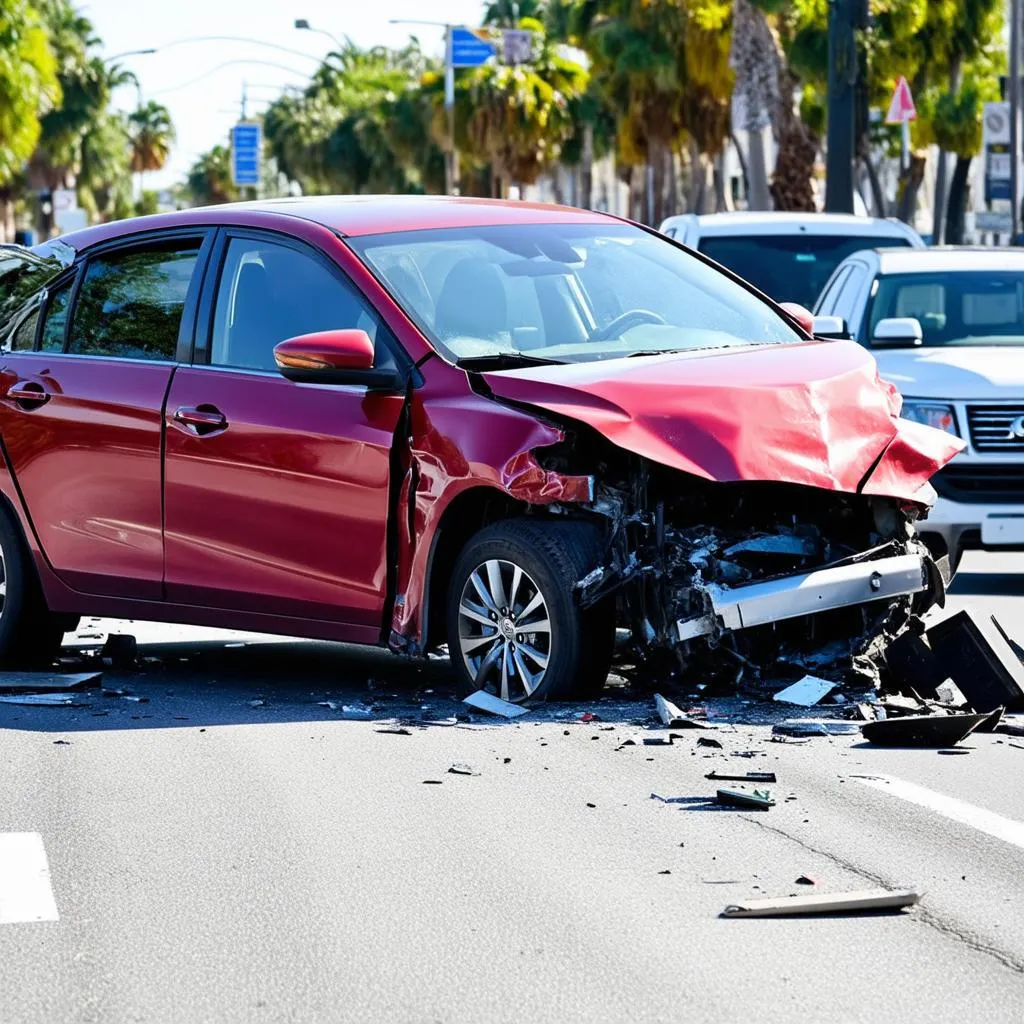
209,180
152,136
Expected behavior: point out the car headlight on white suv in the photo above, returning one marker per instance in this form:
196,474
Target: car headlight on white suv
931,414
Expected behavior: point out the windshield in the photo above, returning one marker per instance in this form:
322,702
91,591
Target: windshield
956,307
790,268
565,293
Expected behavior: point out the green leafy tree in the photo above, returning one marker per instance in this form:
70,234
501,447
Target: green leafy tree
152,135
28,87
209,179
104,177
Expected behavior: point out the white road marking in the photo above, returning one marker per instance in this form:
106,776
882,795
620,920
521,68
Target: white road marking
992,824
25,890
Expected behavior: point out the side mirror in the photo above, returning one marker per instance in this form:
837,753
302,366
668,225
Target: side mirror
832,328
803,316
332,357
897,332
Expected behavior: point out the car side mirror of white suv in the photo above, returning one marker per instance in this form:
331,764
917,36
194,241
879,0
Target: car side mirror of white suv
830,328
897,332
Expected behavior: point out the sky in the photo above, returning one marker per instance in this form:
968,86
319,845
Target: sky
203,95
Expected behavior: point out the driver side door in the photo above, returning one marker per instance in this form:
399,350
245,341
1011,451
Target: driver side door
277,493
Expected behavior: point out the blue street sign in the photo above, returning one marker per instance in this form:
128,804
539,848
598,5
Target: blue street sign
468,49
246,154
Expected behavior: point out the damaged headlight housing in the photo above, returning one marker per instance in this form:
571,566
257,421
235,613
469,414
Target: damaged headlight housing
932,414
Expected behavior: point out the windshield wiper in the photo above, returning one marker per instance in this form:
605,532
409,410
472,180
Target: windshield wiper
504,361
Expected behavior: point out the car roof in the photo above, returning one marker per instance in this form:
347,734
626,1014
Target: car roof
350,215
948,258
775,223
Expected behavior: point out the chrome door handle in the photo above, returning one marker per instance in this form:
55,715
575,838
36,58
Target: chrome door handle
201,419
28,394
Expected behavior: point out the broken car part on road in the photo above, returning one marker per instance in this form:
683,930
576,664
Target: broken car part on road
863,901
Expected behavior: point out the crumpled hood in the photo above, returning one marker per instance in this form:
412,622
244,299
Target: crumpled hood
957,372
811,414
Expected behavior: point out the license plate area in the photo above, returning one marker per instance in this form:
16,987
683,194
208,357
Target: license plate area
1002,530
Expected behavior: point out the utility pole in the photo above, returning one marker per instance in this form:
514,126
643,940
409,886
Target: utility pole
1015,31
451,157
842,104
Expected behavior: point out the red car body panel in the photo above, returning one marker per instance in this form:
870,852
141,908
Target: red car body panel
811,414
88,465
317,511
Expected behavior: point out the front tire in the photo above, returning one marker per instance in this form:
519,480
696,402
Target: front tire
30,635
514,626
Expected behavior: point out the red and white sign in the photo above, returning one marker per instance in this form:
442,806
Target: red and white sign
901,107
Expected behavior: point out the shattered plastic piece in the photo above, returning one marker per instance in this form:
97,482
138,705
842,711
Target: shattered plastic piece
913,665
333,705
949,693
54,700
671,716
805,692
357,712
815,727
973,650
806,880
657,741
825,903
991,723
134,699
394,731
484,701
460,768
432,782
757,799
922,730
589,716
43,682
749,777
707,741
257,703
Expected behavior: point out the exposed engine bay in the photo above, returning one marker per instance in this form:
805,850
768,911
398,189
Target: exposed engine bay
742,584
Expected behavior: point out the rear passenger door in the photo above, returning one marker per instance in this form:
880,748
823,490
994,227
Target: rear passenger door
81,406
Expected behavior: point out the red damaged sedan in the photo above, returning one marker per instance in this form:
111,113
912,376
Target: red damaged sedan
418,422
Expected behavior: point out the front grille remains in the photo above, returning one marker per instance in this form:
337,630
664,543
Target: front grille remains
996,428
978,485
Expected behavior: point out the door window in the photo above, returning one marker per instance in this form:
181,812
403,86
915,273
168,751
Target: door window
831,293
56,319
847,300
24,337
270,292
131,302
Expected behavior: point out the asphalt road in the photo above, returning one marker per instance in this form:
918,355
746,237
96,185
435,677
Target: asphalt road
210,860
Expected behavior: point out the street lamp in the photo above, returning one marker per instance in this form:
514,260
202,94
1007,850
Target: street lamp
451,163
303,23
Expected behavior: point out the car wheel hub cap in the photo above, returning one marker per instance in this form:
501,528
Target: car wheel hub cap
505,634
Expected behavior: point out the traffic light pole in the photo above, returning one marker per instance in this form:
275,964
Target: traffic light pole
842,106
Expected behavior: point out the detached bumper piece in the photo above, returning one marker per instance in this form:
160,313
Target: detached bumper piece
791,597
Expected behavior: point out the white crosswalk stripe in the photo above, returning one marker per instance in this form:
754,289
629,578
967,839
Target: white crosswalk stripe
25,890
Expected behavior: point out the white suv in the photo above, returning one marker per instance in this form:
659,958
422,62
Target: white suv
947,328
788,256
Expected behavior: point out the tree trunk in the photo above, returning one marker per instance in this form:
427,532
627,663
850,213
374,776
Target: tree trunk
671,184
939,204
743,165
723,196
957,208
758,195
909,187
877,195
798,149
586,200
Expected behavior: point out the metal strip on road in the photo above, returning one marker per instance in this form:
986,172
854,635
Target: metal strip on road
25,891
992,824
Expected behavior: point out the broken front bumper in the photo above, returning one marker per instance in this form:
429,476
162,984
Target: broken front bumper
791,597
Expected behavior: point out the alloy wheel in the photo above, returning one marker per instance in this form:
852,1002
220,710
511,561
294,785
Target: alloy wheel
505,631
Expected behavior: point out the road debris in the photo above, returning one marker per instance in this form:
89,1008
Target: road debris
333,705
484,701
749,777
394,730
814,727
755,800
432,782
672,717
357,712
707,741
51,700
461,768
806,880
62,743
991,723
121,650
44,682
257,703
974,651
805,692
864,900
922,730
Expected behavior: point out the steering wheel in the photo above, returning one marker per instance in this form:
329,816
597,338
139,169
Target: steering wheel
631,318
